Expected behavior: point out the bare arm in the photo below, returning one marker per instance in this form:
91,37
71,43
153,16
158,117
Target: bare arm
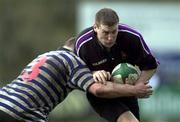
113,90
146,75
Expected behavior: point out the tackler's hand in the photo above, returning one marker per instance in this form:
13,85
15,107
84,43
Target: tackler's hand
101,76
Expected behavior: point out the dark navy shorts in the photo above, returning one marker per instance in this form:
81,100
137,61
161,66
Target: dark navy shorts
111,109
4,117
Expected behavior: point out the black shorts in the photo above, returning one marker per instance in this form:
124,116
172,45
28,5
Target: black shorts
4,117
111,109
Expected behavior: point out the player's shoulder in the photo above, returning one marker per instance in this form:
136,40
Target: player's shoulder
87,31
128,29
84,38
85,35
64,56
56,54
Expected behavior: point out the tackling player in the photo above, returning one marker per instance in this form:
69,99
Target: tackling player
46,82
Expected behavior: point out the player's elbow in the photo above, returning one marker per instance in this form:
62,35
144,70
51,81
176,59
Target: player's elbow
100,93
97,90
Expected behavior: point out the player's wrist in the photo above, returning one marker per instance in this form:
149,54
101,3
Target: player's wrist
131,90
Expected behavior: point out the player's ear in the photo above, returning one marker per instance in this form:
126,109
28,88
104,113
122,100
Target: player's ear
95,27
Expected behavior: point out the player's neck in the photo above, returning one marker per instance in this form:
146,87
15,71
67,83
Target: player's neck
69,48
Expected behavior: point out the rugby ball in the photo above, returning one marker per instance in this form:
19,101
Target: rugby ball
125,73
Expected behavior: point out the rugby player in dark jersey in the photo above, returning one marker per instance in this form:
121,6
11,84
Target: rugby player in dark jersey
103,46
46,82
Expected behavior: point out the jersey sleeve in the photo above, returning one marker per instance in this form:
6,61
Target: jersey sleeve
143,56
85,36
81,75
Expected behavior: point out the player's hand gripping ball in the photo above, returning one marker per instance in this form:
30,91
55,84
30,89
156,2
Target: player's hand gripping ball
125,73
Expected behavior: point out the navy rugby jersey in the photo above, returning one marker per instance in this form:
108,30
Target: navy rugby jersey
129,47
44,83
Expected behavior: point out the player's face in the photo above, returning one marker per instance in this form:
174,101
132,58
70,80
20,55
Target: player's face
106,34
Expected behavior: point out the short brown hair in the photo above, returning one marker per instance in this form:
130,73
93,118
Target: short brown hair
106,16
70,41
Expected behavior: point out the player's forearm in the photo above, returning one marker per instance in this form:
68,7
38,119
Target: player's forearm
146,75
112,90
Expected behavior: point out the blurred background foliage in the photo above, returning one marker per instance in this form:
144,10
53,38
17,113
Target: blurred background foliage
31,27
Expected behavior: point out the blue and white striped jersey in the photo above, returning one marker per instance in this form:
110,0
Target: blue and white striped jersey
43,84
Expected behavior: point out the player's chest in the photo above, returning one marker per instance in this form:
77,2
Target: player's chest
101,59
